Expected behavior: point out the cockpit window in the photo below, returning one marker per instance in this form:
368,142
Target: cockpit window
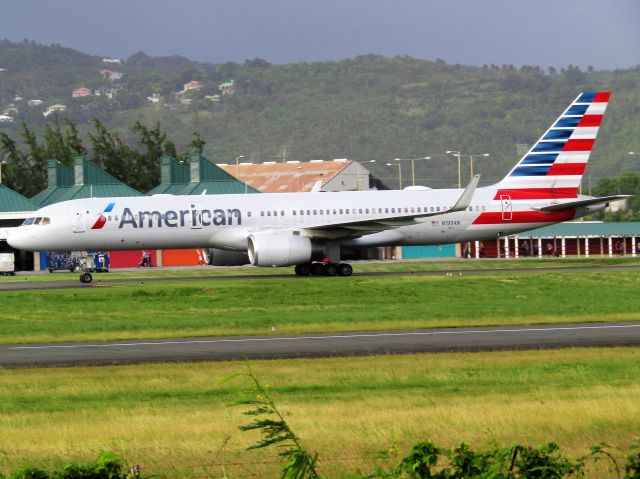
28,221
37,221
46,221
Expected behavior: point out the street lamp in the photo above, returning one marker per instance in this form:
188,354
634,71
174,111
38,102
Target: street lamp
413,166
358,174
457,153
471,161
399,173
238,166
460,155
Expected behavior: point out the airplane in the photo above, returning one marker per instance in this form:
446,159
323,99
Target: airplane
295,229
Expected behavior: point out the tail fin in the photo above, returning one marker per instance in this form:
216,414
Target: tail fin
554,166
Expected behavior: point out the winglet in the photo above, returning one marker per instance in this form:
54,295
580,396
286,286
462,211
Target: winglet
465,199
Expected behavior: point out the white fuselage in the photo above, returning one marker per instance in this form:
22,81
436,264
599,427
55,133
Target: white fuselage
226,221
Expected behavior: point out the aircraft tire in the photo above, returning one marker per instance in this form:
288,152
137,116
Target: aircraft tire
86,278
345,269
303,269
330,270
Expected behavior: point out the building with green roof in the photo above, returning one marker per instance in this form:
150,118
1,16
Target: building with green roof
59,180
209,179
14,208
89,181
173,176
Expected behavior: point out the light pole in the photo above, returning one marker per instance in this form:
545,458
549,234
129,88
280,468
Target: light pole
358,174
3,162
457,153
460,155
471,161
238,165
413,166
399,173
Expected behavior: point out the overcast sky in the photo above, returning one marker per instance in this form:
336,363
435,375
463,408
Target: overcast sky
601,33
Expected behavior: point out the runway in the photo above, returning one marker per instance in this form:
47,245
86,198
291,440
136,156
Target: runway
322,345
103,279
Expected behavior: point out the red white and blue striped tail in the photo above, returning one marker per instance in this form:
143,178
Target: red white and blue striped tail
553,168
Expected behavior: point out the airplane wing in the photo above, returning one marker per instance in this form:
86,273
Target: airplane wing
571,205
386,221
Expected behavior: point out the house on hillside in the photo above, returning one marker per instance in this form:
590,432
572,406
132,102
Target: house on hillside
110,74
154,98
227,88
11,110
17,98
193,85
35,102
6,119
54,109
111,60
104,91
81,92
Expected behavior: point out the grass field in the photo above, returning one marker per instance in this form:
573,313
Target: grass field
251,306
359,267
173,418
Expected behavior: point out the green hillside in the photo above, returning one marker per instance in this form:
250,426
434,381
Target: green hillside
367,108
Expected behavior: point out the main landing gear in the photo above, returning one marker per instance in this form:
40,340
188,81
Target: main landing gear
322,268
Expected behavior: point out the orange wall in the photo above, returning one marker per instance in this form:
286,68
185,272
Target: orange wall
179,257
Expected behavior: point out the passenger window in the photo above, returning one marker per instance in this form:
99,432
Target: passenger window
282,213
334,212
340,211
346,211
301,212
275,213
413,210
367,211
431,209
484,208
315,212
406,210
360,210
419,209
262,213
249,214
437,208
321,211
393,210
308,212
294,212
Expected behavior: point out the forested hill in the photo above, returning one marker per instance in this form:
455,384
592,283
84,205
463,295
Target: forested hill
367,108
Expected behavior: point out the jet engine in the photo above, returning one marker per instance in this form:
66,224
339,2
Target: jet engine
279,250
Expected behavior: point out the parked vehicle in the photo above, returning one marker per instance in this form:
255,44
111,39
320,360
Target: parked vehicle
7,264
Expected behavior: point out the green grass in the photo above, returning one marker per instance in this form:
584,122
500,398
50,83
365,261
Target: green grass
173,419
359,267
294,305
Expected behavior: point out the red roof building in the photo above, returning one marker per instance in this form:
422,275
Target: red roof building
292,176
81,92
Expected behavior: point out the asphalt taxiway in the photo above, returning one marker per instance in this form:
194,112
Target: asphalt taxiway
322,345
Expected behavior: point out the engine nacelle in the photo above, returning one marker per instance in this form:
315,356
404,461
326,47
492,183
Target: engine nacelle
220,257
279,250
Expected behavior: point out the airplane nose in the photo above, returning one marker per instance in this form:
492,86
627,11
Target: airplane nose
20,239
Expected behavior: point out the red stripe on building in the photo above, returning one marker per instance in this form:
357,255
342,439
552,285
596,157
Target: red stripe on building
602,97
537,193
495,218
567,169
590,120
578,145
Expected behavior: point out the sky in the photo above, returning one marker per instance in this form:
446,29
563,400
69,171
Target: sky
604,34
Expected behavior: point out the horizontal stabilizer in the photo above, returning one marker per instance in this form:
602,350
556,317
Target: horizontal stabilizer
572,205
